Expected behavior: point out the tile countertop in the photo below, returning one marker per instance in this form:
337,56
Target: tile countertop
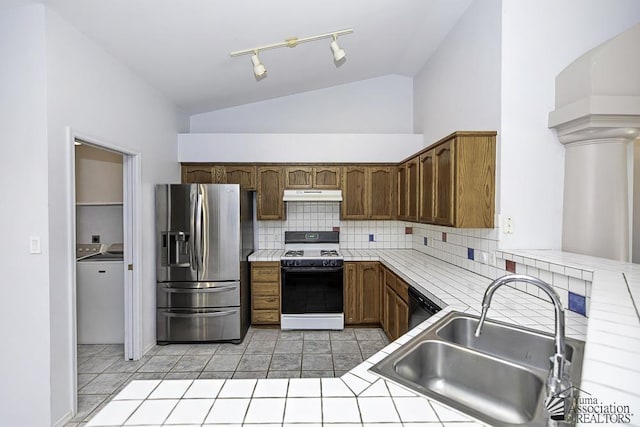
610,371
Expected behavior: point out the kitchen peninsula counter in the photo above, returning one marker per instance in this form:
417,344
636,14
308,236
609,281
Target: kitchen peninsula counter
362,397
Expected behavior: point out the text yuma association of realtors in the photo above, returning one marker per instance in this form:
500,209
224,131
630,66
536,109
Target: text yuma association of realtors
589,410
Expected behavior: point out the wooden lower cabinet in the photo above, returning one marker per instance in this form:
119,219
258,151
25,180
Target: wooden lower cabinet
362,293
265,293
395,316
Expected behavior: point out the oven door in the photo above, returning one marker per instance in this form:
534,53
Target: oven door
312,290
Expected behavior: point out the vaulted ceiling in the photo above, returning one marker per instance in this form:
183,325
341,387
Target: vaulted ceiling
182,46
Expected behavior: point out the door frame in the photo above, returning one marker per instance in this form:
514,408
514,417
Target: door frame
132,239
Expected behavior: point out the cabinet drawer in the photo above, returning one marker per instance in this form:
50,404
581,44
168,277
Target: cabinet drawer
259,288
265,317
265,274
264,302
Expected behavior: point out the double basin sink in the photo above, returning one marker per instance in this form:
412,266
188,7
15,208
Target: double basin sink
498,378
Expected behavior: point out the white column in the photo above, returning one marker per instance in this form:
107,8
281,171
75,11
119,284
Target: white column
596,198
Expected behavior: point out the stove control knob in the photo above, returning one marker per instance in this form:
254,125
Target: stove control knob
326,263
297,263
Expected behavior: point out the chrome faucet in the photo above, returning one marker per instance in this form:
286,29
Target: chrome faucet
558,382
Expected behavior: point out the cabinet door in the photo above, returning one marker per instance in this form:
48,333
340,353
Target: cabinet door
390,326
354,193
350,293
298,177
270,186
327,177
444,183
426,187
369,292
381,192
198,174
243,175
412,188
402,191
402,317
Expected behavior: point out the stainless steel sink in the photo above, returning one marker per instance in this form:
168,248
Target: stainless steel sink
498,378
513,343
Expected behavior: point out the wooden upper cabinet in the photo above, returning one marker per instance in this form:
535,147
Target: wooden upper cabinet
474,182
444,183
355,204
382,192
462,184
201,174
327,177
402,192
408,182
320,177
298,177
368,192
412,188
269,189
243,174
426,187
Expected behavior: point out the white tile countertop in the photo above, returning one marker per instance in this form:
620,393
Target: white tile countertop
611,366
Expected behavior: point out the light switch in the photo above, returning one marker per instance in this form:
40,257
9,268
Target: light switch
34,245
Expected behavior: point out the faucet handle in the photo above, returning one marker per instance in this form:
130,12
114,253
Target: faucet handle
559,380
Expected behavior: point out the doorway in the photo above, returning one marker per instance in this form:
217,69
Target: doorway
104,217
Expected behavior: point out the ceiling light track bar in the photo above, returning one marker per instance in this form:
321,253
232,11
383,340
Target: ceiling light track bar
292,42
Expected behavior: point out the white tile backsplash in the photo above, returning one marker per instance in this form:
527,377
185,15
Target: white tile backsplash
324,216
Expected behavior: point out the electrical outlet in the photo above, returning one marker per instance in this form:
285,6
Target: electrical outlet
507,224
95,238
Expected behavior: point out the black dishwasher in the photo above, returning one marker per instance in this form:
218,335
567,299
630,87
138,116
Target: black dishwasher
420,308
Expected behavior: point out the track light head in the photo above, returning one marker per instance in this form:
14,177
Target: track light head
259,69
339,55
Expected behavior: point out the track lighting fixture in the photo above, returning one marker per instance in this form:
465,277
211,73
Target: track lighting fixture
259,70
338,53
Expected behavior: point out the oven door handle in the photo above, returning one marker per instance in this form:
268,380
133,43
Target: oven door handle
312,269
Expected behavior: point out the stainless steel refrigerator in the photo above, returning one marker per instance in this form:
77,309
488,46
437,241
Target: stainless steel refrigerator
204,237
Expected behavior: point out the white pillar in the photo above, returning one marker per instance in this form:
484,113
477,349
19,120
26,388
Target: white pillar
596,198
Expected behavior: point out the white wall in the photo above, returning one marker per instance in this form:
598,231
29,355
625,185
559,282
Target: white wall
24,305
291,147
459,87
379,105
539,39
98,96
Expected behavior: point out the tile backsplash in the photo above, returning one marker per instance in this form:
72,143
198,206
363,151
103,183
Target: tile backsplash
325,216
476,250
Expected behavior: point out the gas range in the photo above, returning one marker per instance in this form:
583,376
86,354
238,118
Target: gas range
312,249
312,281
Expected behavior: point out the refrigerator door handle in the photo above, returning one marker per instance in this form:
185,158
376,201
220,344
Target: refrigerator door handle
199,290
193,228
199,231
192,315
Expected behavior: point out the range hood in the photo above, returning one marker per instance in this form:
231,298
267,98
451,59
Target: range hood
312,196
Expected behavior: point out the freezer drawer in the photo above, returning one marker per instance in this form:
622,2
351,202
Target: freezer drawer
198,294
184,325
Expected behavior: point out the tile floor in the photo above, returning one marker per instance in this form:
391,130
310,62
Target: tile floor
264,353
